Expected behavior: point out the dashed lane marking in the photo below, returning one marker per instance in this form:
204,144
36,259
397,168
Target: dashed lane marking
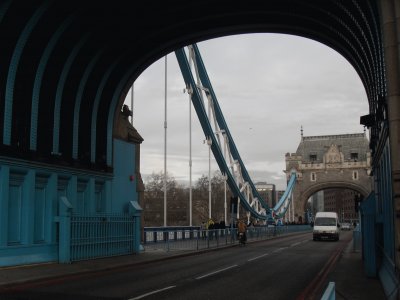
217,271
257,257
153,292
279,249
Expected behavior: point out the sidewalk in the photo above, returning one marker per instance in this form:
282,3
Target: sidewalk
12,276
348,274
350,280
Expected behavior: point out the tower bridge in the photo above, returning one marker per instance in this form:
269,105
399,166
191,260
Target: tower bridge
329,161
66,67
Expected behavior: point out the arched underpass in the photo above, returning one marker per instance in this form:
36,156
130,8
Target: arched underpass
67,66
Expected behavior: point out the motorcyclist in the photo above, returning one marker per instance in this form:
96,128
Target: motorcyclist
242,228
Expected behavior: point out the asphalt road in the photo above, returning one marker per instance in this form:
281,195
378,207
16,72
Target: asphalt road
289,267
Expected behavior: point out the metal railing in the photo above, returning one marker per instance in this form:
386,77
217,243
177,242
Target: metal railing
329,293
192,239
88,236
101,236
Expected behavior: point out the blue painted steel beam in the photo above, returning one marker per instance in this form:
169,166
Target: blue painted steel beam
290,186
208,131
39,79
12,71
96,104
79,96
113,108
60,91
222,124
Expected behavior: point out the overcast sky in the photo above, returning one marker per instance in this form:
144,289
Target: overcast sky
267,85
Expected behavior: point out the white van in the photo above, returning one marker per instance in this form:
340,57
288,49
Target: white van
326,226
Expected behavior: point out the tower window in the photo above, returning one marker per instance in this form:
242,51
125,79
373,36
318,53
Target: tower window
313,176
313,157
354,156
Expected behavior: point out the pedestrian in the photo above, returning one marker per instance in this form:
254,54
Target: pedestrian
242,227
203,229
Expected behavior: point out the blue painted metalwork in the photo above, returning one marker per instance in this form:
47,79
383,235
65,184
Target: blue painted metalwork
193,238
368,213
283,203
39,78
94,236
3,8
357,238
222,124
385,204
329,293
95,111
384,226
60,90
28,208
12,71
64,219
111,112
82,83
4,192
208,131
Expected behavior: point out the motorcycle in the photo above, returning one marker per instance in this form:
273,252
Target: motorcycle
242,238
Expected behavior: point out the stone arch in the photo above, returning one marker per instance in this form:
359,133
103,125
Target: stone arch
307,193
352,29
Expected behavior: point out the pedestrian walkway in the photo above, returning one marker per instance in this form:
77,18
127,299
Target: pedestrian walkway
348,275
11,276
350,280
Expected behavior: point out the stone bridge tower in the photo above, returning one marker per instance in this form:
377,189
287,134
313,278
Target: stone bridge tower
329,161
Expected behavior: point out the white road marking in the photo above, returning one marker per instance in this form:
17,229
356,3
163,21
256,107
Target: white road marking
295,244
153,292
217,271
279,250
257,257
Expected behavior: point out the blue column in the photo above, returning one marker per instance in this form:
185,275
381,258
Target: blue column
108,195
72,190
52,209
136,211
91,198
4,183
28,209
65,211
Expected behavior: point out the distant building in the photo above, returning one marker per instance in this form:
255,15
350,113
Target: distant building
268,192
317,202
342,202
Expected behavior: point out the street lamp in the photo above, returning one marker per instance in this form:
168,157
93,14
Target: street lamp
209,143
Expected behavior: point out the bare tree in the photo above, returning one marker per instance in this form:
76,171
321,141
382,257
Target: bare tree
154,201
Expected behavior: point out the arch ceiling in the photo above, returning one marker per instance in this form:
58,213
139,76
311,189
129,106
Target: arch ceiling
66,66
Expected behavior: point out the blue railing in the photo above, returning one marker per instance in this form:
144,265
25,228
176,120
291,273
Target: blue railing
193,238
329,293
96,235
101,236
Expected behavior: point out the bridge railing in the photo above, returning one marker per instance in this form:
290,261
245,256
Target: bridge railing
192,239
329,293
88,236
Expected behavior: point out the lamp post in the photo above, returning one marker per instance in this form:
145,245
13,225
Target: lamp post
209,143
165,146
